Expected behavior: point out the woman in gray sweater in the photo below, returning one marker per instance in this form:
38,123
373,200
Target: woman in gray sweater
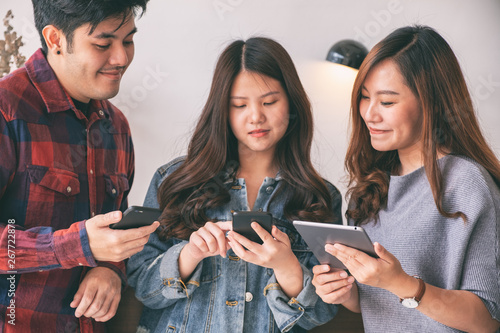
424,184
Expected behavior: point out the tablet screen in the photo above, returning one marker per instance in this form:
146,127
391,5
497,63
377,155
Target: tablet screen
317,235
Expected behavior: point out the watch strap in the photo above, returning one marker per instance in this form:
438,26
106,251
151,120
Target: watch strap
420,292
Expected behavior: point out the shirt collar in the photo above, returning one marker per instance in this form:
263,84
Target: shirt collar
55,97
268,179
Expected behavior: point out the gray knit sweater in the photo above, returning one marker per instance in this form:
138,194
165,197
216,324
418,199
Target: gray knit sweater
446,253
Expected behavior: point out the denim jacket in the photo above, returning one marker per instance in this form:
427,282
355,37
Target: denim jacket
225,294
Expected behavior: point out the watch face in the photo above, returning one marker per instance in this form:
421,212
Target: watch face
409,303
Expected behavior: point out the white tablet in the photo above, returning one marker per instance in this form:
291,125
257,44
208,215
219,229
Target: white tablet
317,235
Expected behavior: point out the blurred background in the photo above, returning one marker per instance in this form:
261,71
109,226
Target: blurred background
179,41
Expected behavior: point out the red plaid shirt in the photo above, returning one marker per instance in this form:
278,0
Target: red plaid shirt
57,168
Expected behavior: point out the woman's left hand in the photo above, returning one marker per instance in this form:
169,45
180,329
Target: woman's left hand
275,251
380,272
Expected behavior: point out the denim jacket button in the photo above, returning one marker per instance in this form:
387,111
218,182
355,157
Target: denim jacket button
269,189
248,296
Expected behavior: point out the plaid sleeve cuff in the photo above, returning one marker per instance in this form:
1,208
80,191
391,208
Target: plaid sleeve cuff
72,246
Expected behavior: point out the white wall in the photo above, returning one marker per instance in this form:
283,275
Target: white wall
178,43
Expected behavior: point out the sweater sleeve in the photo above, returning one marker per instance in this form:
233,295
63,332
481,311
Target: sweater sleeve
482,259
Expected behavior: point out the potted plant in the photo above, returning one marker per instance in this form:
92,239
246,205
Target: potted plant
9,48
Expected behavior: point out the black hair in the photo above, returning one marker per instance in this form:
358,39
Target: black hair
68,15
200,183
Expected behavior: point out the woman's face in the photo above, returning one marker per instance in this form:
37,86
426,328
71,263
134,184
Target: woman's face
258,113
390,110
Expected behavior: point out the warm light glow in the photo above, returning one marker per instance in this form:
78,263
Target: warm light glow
331,83
342,74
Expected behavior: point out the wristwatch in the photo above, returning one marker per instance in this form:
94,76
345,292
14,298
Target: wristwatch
413,302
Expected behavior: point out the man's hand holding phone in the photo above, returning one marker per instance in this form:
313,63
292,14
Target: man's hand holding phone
107,244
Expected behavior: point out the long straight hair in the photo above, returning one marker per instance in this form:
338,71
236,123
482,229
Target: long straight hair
432,72
200,183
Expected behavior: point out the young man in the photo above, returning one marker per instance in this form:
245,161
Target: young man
66,159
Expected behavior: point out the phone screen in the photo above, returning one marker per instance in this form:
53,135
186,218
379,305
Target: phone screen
242,221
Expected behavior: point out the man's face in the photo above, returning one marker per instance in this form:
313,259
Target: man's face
92,67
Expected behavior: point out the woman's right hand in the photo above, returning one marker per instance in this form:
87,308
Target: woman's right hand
210,240
333,285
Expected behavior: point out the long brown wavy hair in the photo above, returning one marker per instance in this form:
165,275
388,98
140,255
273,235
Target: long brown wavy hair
200,183
432,72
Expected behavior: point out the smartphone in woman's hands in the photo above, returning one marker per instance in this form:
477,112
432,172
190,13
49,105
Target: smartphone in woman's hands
242,221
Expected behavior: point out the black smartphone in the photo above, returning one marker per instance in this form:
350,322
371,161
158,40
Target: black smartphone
242,221
137,216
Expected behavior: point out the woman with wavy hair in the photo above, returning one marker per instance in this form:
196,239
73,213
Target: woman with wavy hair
424,184
250,151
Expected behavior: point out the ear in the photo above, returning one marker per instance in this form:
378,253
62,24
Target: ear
54,38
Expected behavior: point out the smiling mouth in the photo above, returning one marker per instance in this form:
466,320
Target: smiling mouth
377,131
114,75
